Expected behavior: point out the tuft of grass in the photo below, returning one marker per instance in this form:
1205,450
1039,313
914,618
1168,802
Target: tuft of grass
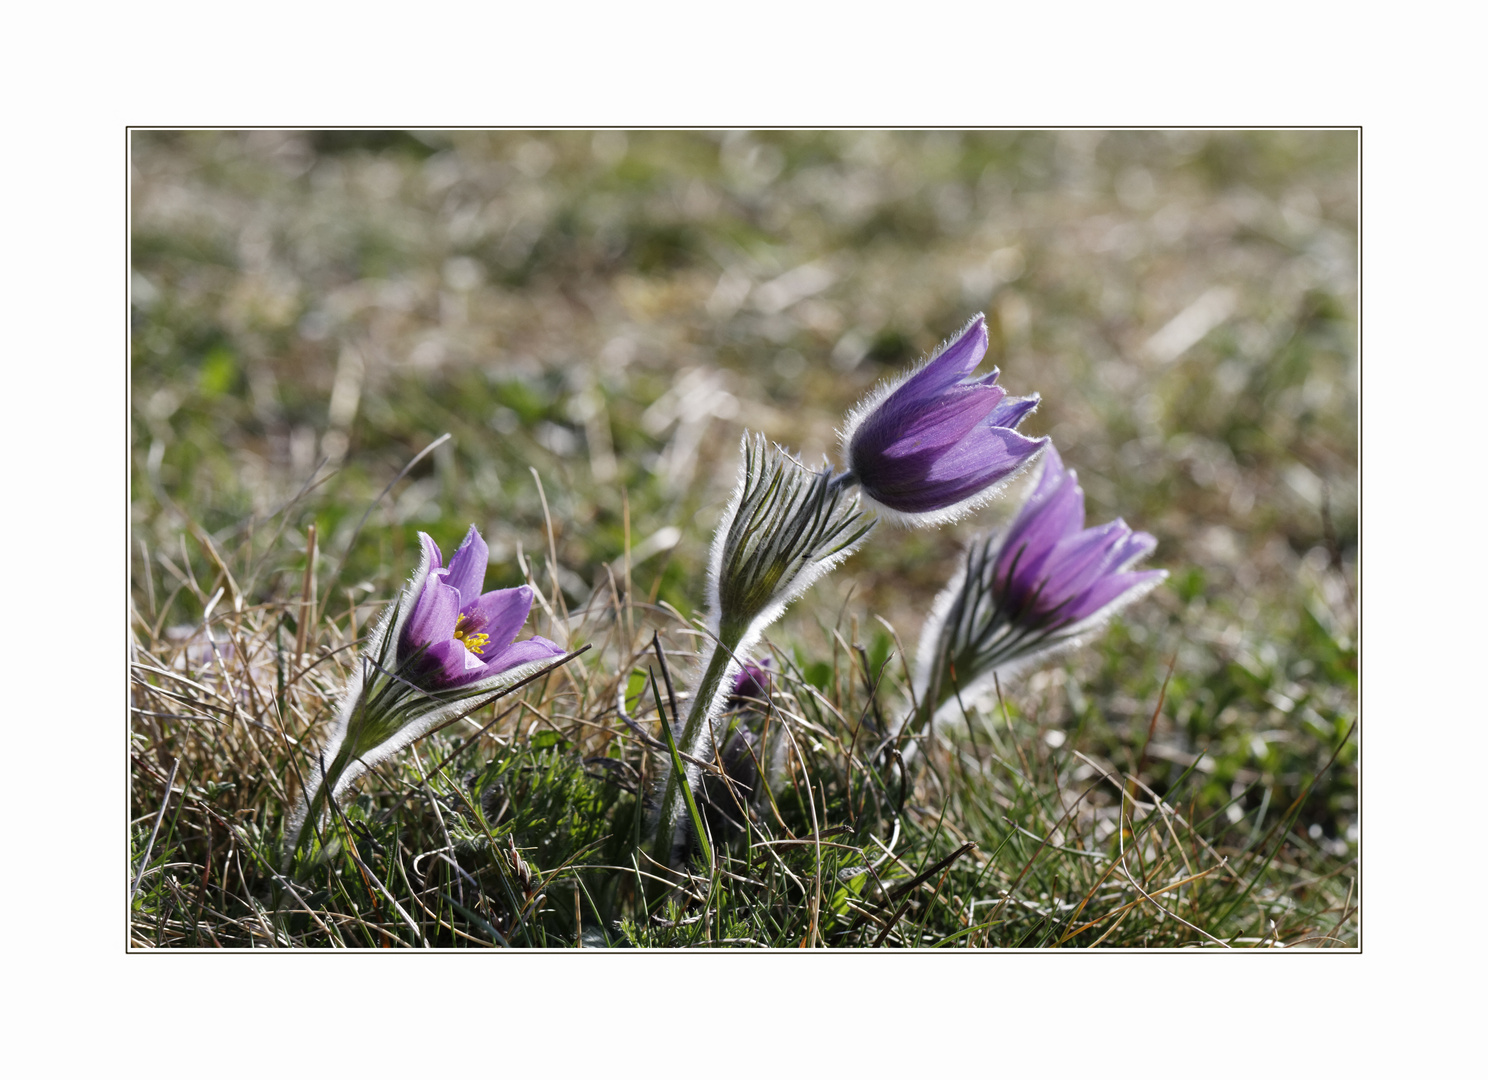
525,825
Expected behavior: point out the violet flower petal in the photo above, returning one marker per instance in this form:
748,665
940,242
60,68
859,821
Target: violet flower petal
467,567
985,453
940,423
1011,411
1080,558
1054,510
445,664
935,477
434,616
1107,590
498,615
431,551
958,359
522,652
1134,547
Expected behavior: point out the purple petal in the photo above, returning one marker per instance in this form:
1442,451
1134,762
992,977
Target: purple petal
433,617
946,369
1134,547
446,663
938,423
1055,510
940,478
1053,475
431,552
1010,413
467,568
984,456
498,615
521,652
1107,591
1078,560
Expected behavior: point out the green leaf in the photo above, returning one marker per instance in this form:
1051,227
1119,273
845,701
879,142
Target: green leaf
548,740
219,371
635,686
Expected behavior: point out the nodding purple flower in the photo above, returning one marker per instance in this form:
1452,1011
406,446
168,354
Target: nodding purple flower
930,446
752,682
1035,588
1053,572
456,634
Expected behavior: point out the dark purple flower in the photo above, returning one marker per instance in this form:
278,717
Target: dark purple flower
930,445
1051,569
753,681
1037,588
466,635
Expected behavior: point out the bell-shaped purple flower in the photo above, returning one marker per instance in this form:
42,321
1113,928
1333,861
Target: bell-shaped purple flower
1036,588
456,634
932,445
1053,572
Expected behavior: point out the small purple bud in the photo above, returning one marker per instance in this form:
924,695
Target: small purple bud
752,682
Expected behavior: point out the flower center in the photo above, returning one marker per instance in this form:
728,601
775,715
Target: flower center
474,642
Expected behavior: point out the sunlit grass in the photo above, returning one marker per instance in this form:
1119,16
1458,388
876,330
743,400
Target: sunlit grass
311,313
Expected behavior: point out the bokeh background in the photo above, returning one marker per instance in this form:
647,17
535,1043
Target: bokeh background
612,309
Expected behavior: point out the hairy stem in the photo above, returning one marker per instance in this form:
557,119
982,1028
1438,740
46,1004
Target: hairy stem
692,742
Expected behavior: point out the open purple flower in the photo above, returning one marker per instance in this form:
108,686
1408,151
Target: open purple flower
439,646
1036,588
930,446
456,634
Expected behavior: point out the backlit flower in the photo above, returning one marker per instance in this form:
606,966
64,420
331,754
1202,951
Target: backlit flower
439,645
1033,589
931,445
457,635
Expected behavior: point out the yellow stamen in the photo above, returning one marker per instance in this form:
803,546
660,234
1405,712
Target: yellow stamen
476,643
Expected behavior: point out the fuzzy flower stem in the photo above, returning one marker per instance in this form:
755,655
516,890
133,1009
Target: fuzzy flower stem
785,526
709,688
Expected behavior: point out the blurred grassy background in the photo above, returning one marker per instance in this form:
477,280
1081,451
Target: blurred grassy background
613,309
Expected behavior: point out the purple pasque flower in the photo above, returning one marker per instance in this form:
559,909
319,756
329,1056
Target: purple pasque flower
441,644
1051,571
930,446
457,635
1036,588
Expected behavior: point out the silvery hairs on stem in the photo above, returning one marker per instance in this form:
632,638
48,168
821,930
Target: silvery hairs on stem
412,674
785,527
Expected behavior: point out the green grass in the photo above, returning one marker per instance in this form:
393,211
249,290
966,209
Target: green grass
559,308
